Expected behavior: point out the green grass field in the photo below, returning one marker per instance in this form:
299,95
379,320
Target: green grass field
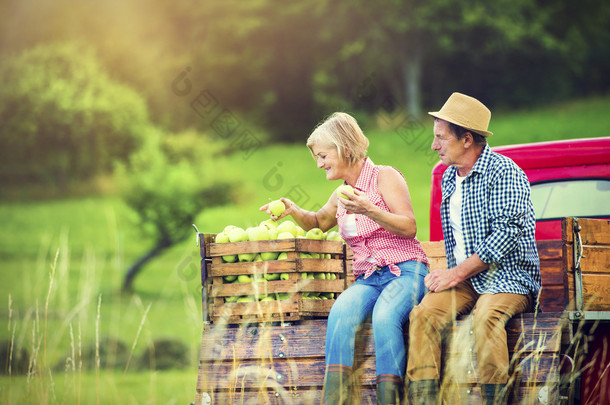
62,261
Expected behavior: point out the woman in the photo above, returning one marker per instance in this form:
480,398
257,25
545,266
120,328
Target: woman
378,224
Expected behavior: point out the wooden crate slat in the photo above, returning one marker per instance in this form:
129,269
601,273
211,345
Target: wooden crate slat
434,249
593,231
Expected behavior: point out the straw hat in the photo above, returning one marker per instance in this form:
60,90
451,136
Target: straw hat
467,112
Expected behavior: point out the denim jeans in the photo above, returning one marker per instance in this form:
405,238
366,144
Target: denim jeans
389,299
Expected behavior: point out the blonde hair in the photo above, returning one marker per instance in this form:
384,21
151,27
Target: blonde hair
342,131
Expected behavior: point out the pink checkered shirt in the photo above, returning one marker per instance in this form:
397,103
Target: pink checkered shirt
373,241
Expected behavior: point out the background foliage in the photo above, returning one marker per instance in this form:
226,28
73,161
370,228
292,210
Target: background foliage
283,66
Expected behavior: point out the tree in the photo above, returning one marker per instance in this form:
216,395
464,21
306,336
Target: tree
63,118
167,184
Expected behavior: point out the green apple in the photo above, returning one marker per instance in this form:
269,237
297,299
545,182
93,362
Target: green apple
273,233
246,298
344,190
257,258
269,224
305,255
244,278
231,299
282,256
224,238
284,276
268,298
283,296
310,276
315,233
303,275
315,255
300,232
333,276
230,279
246,257
229,258
285,235
320,276
287,226
277,208
272,276
221,238
228,228
265,256
333,235
237,235
258,233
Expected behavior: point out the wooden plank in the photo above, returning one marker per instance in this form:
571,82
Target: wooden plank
593,231
307,338
596,292
276,245
434,249
452,395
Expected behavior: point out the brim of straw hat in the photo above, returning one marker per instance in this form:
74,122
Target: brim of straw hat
460,122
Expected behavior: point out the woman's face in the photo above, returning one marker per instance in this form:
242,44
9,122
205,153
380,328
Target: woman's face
328,159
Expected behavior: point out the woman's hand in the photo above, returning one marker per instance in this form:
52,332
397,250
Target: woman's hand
358,203
290,208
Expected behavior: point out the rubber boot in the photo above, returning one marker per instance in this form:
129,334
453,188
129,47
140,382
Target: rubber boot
424,392
390,389
337,384
493,394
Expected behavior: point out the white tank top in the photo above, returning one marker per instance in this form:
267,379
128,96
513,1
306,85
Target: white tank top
455,220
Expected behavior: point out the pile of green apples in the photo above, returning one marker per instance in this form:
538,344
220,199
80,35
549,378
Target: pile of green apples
269,230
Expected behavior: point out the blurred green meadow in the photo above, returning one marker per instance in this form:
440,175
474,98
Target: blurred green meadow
62,261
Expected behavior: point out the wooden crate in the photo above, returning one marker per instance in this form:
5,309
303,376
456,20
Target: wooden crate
586,258
297,306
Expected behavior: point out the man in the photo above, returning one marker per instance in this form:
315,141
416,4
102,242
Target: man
493,267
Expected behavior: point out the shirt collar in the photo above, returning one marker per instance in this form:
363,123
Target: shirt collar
365,174
482,162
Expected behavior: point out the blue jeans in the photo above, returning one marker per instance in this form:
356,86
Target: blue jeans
389,299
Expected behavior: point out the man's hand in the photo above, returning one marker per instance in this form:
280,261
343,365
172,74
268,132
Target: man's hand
439,280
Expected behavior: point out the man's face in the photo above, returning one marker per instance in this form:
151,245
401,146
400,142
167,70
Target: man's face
449,148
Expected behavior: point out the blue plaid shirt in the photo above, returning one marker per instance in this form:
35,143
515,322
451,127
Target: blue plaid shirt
498,223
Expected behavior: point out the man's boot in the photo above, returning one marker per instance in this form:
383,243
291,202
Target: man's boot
390,389
493,394
424,392
337,384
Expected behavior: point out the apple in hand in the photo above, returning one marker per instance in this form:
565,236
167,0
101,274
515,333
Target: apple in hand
344,190
315,233
276,208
